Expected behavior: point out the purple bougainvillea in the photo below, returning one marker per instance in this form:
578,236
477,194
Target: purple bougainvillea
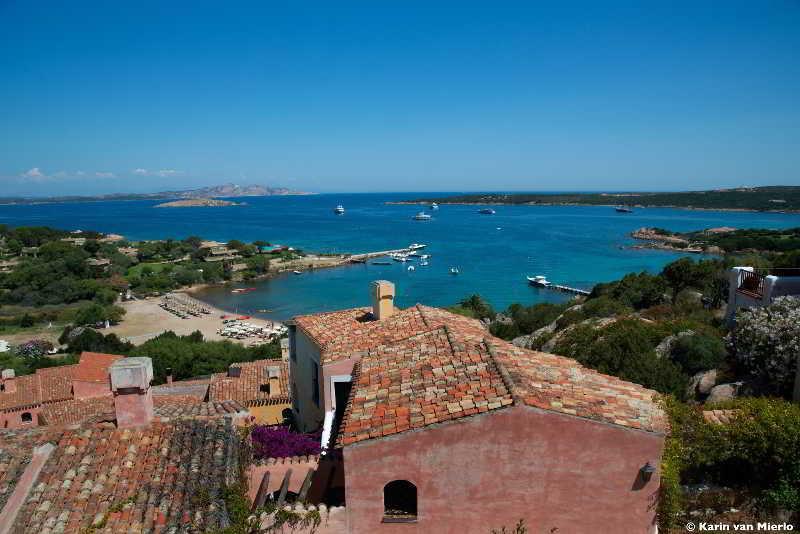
280,442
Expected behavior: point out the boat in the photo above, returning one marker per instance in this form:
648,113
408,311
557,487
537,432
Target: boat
454,270
416,246
400,258
339,210
410,267
538,281
425,256
297,272
422,216
381,263
423,263
623,209
434,206
486,211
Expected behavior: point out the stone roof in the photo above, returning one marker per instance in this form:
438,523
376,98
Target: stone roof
348,333
109,480
454,369
247,386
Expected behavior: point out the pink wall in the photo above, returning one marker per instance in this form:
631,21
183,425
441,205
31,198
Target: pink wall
14,419
134,409
277,470
483,472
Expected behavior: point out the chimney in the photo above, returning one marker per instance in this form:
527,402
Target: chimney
8,380
382,299
130,383
274,375
169,376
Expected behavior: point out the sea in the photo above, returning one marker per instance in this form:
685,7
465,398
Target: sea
577,246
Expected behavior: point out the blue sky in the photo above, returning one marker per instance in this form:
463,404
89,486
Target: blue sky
394,96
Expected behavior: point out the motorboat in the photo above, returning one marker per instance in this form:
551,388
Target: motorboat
416,246
434,206
410,267
486,211
381,263
425,256
423,263
454,270
339,210
297,272
538,281
422,216
623,209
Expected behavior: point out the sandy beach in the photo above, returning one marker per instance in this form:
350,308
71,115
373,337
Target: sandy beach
145,319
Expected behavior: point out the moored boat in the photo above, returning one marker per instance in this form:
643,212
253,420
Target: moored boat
486,211
422,216
539,281
623,209
339,210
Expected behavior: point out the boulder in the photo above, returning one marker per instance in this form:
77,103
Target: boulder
723,392
702,383
665,347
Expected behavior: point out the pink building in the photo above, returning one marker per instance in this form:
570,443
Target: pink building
440,427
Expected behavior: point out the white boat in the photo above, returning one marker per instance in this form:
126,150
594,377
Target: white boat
297,272
486,211
416,246
401,258
410,267
423,263
538,280
425,256
434,206
422,216
454,270
339,210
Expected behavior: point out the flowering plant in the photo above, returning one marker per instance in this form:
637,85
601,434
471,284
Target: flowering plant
35,348
280,442
766,341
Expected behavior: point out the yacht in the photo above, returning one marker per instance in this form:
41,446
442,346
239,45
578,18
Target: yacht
416,246
454,270
538,281
623,209
422,216
423,263
339,210
434,206
486,211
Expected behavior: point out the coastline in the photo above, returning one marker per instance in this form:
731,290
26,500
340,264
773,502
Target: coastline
640,206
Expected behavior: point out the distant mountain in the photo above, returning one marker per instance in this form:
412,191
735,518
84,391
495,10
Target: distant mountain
214,191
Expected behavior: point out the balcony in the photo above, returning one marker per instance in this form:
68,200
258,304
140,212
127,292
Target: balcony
759,287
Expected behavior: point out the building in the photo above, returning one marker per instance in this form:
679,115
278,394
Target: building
749,287
137,468
437,426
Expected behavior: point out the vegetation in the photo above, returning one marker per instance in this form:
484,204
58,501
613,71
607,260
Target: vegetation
281,442
756,198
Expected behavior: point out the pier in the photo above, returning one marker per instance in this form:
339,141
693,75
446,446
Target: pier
361,258
568,289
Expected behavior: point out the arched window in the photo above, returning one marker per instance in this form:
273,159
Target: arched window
27,417
399,501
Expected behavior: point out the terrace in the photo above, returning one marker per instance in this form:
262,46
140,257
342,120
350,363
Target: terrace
759,287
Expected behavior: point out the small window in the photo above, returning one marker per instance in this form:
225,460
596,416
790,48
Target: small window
27,417
399,502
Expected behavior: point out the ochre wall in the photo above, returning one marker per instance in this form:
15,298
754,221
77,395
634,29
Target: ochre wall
484,472
270,414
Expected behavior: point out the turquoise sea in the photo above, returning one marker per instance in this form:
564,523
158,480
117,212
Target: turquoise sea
573,245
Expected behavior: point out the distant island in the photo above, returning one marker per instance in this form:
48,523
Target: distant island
771,198
197,203
216,191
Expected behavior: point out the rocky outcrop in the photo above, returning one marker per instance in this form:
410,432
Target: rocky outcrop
701,383
724,392
594,322
665,347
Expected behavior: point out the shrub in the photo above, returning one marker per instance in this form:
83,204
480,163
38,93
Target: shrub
766,341
638,291
34,349
280,442
698,352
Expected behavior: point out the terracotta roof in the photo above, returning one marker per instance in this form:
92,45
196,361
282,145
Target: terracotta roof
144,480
76,410
350,333
16,449
247,386
563,385
199,409
425,379
197,388
456,369
27,393
94,366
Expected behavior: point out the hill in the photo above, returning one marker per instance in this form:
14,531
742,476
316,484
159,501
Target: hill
771,198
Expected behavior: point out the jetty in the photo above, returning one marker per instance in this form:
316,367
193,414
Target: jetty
568,289
361,258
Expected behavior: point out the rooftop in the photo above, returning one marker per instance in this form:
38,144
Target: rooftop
424,365
246,382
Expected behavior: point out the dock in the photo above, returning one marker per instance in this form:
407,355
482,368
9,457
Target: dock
361,258
568,289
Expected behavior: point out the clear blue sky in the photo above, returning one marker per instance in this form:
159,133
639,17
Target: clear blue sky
395,96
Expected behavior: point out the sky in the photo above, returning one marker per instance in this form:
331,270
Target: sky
398,96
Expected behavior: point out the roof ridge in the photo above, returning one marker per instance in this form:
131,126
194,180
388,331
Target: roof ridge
511,386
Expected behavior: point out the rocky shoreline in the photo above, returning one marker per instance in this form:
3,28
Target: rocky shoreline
659,240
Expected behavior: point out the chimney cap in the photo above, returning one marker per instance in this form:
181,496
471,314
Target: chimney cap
135,372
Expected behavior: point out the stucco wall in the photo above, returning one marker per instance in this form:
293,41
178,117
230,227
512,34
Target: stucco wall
309,416
483,472
85,390
13,418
